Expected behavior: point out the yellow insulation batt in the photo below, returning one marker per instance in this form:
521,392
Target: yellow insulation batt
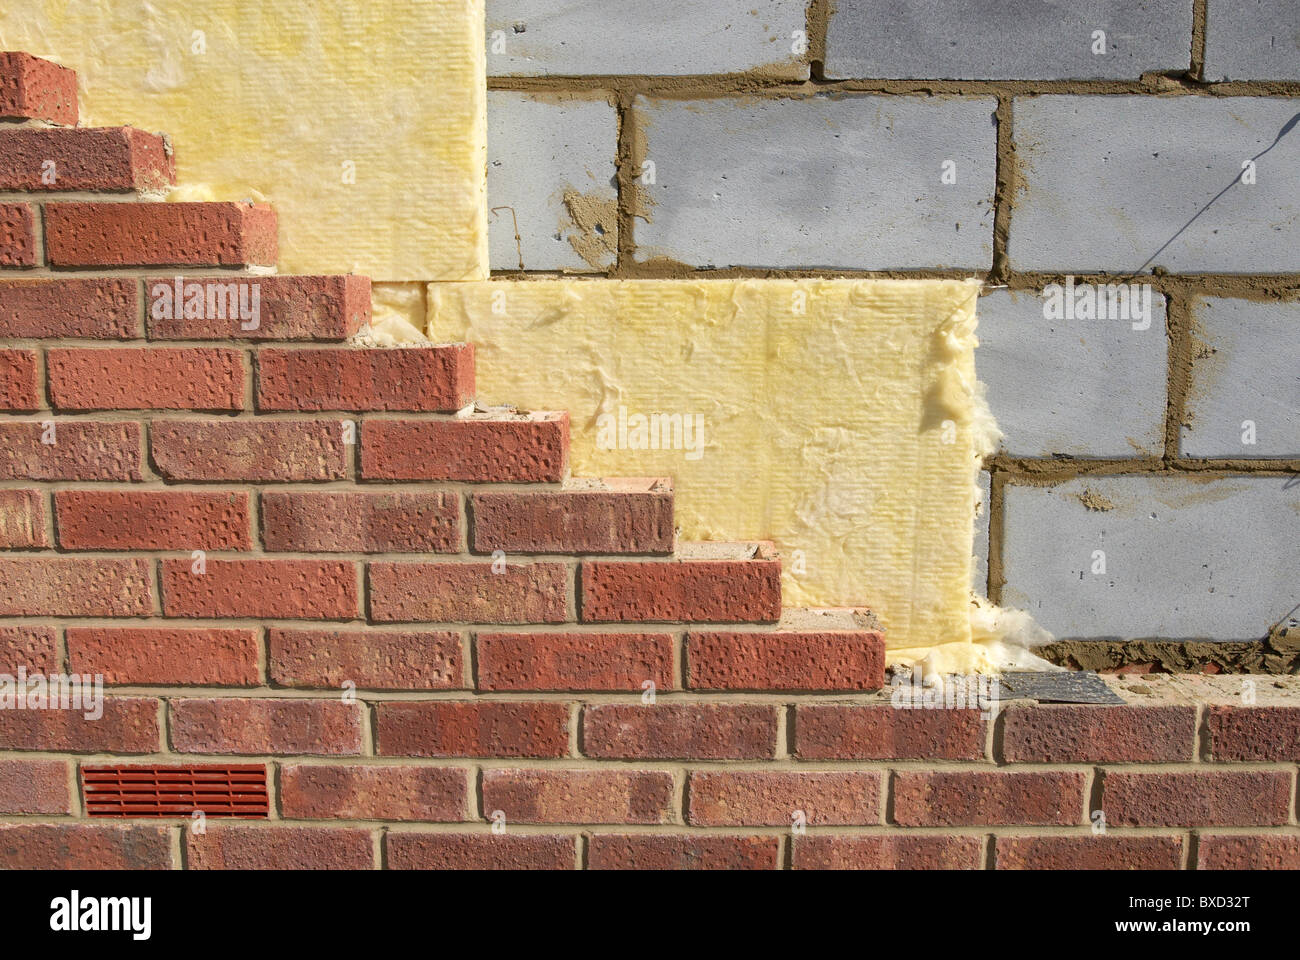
362,121
839,418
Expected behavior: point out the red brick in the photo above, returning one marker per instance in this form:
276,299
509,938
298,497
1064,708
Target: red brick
579,796
41,586
22,519
1255,733
128,725
480,851
20,380
84,846
481,728
468,593
633,516
771,798
34,786
100,308
215,234
1226,798
883,732
483,449
97,160
371,659
1101,852
17,235
988,798
574,661
893,852
708,591
371,521
146,378
1099,734
354,792
258,726
1259,852
167,656
152,520
786,660
432,378
82,450
36,89
608,851
33,647
253,451
673,731
289,308
280,848
284,589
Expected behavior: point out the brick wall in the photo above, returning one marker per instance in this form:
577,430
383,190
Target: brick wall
811,140
281,549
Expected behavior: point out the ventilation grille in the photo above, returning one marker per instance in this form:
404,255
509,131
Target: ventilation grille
225,791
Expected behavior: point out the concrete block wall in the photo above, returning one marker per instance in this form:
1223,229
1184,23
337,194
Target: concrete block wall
1038,146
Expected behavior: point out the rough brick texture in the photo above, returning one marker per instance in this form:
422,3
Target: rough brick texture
102,308
17,235
429,378
160,234
282,848
22,519
166,656
19,380
104,160
679,731
195,378
468,592
255,726
369,659
480,851
297,589
35,89
476,450
710,591
375,521
314,792
152,520
289,308
574,661
267,451
632,516
475,729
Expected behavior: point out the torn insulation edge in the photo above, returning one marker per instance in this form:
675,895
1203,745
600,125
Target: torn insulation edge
397,316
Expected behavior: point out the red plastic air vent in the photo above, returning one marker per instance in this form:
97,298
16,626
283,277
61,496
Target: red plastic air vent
219,791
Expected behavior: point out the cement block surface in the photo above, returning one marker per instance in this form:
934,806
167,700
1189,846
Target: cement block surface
1112,182
553,162
1244,398
1184,557
1079,387
850,182
1007,39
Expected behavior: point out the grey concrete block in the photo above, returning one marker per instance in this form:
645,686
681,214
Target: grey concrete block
1081,387
1112,182
1245,381
980,569
1252,40
845,181
1185,558
1007,39
553,162
663,38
